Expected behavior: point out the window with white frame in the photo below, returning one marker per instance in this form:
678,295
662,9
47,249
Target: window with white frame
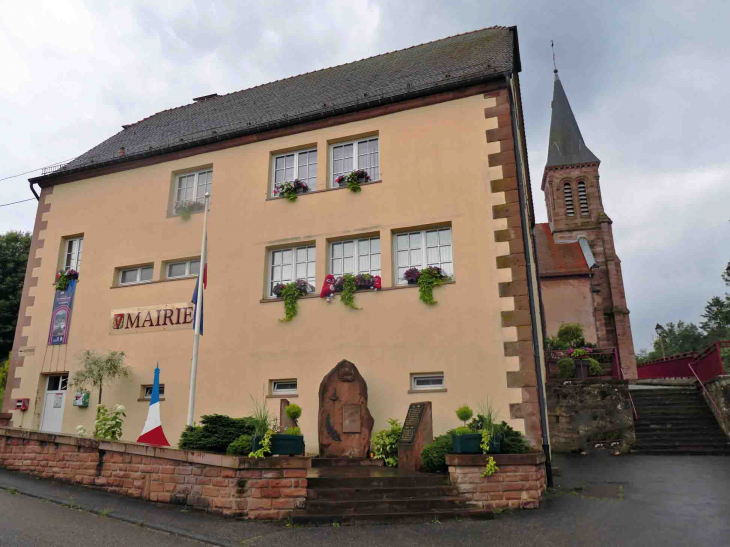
351,156
192,187
283,387
148,392
358,256
185,268
287,265
131,276
301,165
421,249
427,381
72,253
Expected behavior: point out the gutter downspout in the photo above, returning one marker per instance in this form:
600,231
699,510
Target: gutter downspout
37,197
530,289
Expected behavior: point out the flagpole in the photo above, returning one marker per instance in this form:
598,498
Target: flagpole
198,309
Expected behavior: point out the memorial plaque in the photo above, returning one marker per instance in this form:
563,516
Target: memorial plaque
411,423
351,418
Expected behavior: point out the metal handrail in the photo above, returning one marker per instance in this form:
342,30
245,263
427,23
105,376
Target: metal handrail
719,412
621,376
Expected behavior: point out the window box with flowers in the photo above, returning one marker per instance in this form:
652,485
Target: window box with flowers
64,278
353,180
347,285
426,279
291,293
186,208
291,189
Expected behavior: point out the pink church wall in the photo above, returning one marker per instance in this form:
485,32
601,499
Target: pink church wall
568,300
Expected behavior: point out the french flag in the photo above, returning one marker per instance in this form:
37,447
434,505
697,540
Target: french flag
152,432
195,294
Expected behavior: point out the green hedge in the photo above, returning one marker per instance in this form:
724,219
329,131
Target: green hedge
434,454
216,433
240,447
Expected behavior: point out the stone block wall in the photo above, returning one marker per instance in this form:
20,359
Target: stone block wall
518,484
269,488
719,389
588,414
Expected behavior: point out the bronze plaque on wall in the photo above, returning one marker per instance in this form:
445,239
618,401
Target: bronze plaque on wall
351,418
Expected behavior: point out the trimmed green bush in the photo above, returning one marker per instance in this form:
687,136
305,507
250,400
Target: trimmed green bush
594,367
293,412
385,443
293,431
240,447
434,454
513,442
463,430
464,413
566,368
216,433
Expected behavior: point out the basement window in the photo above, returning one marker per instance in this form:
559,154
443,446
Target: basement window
283,387
147,392
133,276
421,382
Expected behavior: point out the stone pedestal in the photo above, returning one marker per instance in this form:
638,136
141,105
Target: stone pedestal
417,433
345,423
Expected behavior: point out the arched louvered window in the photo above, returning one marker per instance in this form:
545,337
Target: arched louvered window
568,194
582,198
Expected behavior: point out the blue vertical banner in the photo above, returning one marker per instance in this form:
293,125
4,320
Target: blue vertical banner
61,317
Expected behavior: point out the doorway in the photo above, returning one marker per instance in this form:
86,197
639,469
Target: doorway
53,402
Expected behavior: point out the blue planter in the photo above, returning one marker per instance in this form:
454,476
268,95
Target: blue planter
466,444
281,445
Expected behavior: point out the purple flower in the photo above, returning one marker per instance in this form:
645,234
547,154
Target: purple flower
411,275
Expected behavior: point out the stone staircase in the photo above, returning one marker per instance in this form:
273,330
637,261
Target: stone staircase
342,492
676,420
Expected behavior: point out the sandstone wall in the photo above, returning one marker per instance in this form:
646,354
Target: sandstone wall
719,389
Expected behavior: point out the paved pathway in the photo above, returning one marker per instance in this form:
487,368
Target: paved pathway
630,501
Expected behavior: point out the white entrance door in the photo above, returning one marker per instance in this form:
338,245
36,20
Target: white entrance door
53,403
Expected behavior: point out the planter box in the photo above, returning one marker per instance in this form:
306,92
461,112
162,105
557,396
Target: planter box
281,445
466,444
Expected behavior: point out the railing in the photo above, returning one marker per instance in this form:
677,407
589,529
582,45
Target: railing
55,167
719,412
708,364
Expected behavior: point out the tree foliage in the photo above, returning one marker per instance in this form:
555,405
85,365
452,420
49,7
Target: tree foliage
3,378
14,249
216,433
98,369
570,335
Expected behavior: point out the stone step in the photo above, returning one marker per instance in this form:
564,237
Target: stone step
408,492
679,420
346,462
302,517
375,481
658,405
689,427
710,435
684,444
369,506
694,451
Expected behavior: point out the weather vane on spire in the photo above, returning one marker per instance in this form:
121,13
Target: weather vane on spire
555,67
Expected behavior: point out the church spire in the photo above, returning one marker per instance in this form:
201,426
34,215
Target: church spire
566,146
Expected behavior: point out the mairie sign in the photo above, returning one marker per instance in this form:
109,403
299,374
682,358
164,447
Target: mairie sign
152,318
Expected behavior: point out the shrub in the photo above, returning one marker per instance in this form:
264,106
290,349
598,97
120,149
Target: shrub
513,442
594,367
216,433
464,413
463,430
566,368
293,412
293,431
434,454
108,423
240,447
385,443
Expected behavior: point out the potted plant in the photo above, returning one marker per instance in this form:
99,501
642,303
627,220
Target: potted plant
465,440
488,421
64,278
579,364
353,180
291,442
291,189
266,442
186,208
412,275
291,293
426,279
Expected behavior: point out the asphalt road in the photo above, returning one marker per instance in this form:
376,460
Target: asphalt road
633,501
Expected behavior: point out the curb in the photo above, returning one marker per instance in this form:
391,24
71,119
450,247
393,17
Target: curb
157,527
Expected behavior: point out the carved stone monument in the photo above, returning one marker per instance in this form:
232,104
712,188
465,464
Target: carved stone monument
417,433
345,423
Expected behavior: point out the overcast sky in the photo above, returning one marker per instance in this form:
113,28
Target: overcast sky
648,82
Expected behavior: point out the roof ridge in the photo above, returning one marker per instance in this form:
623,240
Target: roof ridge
494,27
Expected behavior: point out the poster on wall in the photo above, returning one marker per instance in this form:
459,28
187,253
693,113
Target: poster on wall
61,317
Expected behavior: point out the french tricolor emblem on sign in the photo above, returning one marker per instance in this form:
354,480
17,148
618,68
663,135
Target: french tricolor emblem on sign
152,432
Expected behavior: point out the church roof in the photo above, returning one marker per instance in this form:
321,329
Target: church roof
558,259
446,64
566,146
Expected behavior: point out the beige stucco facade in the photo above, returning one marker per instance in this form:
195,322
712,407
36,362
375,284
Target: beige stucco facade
434,171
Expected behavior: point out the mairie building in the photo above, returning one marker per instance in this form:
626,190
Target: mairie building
438,129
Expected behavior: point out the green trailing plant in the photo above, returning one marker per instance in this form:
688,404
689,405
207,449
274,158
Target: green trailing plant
434,454
108,424
291,293
264,447
241,446
216,433
293,412
98,369
491,467
385,443
291,189
293,431
429,278
64,278
566,368
347,296
464,414
353,180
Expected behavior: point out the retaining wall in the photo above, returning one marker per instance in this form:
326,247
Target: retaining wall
719,389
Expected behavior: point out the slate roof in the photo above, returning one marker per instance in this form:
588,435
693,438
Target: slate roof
566,146
558,259
449,63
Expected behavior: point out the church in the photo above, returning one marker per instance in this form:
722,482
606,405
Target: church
580,272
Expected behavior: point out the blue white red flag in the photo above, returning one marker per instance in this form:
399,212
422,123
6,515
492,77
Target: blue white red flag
152,432
195,295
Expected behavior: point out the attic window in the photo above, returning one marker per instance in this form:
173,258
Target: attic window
568,194
583,198
205,97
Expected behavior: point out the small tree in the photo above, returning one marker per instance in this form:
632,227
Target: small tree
570,335
464,413
98,369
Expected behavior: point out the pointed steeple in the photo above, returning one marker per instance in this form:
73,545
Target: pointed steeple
566,146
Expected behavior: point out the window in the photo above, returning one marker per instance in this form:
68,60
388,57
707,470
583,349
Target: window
72,260
187,268
350,156
427,381
569,207
58,383
283,387
287,265
424,248
582,198
192,187
147,392
136,275
300,165
355,257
